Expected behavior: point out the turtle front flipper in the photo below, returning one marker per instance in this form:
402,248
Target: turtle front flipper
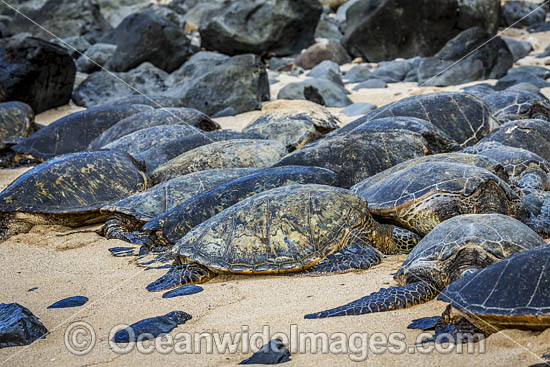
386,299
116,229
193,273
352,257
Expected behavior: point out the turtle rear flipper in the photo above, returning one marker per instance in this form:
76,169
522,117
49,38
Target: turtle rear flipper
351,257
386,299
181,275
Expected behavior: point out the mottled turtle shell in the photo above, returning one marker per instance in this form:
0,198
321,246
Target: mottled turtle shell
175,223
516,105
512,293
422,196
290,228
531,135
479,238
323,120
156,101
161,153
238,153
360,154
472,159
515,161
463,117
73,183
438,141
147,119
142,140
73,133
16,120
159,199
293,128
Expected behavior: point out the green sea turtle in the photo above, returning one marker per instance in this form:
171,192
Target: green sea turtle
161,153
169,227
438,141
144,139
73,133
130,213
455,157
525,169
517,105
148,119
422,196
156,101
358,155
463,117
531,135
68,190
291,127
513,293
238,153
16,120
282,230
455,247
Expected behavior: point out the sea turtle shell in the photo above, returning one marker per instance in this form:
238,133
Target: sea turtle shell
456,157
517,105
147,119
286,229
174,224
291,127
422,196
358,155
73,133
70,189
146,205
161,153
516,162
512,293
463,117
142,140
531,135
16,120
238,153
438,141
155,101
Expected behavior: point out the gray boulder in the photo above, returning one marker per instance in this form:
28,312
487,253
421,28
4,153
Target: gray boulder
38,73
320,91
327,70
518,48
148,37
320,52
95,57
283,27
380,30
102,88
513,11
491,61
64,18
211,83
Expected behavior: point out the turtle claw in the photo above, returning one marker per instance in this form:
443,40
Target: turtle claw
351,257
181,275
386,299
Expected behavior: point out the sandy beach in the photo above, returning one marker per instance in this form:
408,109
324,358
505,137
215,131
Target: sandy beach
61,264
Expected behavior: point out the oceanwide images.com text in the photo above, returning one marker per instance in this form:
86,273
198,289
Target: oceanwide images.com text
80,339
